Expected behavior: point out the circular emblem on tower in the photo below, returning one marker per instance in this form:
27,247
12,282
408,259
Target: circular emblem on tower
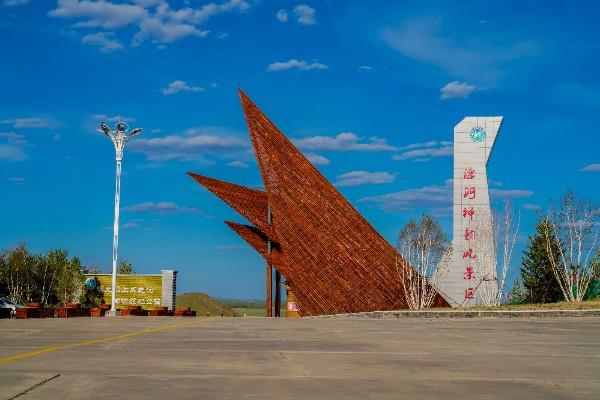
477,134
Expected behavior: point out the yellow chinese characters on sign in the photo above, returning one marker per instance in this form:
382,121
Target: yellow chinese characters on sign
132,290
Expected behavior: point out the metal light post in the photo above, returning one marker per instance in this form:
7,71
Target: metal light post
119,138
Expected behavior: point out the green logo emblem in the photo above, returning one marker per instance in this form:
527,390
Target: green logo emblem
477,134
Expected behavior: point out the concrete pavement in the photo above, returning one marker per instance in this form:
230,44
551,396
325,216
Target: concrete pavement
312,358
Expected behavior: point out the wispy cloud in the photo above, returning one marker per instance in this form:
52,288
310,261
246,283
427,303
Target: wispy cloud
178,86
425,151
457,90
190,147
18,181
438,198
155,20
282,15
591,168
130,225
13,150
361,178
532,207
295,64
345,141
365,68
12,3
304,14
104,117
237,164
103,39
578,94
26,123
162,208
468,56
509,194
232,248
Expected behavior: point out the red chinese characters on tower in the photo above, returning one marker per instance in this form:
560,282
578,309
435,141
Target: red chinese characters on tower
469,253
469,173
468,212
469,293
470,192
469,273
469,234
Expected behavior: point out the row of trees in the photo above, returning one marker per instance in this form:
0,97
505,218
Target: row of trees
53,278
561,261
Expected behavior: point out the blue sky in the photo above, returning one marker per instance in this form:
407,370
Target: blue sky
369,91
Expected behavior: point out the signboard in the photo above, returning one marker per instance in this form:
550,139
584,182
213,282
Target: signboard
132,290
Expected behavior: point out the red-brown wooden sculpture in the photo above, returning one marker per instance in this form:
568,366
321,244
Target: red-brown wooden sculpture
331,257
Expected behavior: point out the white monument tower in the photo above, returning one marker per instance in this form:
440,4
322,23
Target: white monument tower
472,277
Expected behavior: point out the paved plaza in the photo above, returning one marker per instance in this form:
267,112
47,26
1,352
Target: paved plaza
309,358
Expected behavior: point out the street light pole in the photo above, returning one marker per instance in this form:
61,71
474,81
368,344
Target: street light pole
119,138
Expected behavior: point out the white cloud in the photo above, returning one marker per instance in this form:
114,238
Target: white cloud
11,3
345,141
165,32
468,55
316,159
360,178
529,206
304,14
282,15
25,123
178,86
18,181
457,90
154,19
213,85
591,168
102,39
432,197
185,148
56,137
293,63
130,225
100,14
425,151
364,68
161,208
237,164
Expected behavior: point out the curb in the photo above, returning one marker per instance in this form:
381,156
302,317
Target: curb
469,314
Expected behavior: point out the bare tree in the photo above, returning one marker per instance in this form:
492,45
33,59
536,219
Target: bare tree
573,229
423,247
504,235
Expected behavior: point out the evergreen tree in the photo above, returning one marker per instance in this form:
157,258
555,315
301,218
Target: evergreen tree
539,282
125,267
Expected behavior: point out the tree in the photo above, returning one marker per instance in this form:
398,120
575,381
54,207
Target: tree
69,281
517,294
575,224
46,274
19,266
125,268
423,247
504,235
539,282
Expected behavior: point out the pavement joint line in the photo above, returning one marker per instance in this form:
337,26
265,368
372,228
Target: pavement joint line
90,342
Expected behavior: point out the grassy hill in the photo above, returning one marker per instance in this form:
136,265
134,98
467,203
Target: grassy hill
203,303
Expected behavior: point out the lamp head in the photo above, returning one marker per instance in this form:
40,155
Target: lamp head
136,131
121,126
104,128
